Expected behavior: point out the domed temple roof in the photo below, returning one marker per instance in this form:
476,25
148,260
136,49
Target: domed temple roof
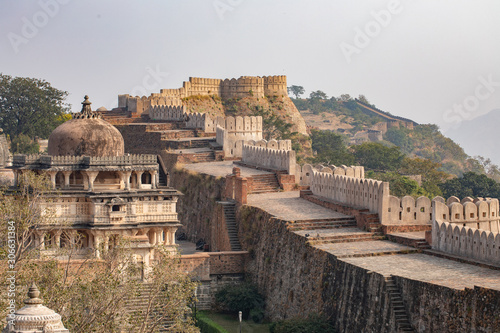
35,317
86,134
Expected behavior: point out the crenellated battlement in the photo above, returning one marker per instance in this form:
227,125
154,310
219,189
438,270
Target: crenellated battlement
269,158
244,86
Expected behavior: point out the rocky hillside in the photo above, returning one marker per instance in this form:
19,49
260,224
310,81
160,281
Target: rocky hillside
248,106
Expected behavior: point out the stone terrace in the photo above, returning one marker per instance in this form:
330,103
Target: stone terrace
381,256
223,168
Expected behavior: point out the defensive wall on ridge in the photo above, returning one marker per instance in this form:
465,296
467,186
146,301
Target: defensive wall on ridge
244,86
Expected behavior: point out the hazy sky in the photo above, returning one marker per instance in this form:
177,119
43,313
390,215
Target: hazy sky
432,61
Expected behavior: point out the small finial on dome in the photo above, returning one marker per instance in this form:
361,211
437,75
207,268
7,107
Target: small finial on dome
33,295
86,112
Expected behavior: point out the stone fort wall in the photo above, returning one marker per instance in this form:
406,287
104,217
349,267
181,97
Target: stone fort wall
467,242
244,86
312,280
270,158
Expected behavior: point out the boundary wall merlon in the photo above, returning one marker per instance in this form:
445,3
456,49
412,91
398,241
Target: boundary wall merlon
269,158
482,245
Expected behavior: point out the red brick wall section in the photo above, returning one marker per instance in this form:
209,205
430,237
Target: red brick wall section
241,190
287,182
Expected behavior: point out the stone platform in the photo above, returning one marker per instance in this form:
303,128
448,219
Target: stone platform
381,256
221,169
431,269
289,206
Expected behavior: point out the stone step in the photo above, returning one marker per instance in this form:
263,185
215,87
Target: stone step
177,134
328,224
346,239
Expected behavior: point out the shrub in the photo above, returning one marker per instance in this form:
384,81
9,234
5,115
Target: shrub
243,297
312,324
207,325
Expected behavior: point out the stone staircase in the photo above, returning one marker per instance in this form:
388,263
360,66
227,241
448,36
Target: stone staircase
136,305
402,320
342,222
232,228
265,183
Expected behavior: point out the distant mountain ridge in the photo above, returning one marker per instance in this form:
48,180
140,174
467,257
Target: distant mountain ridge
479,136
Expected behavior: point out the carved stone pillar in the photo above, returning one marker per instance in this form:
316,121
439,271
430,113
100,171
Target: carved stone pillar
66,178
125,175
154,174
139,178
52,175
92,175
57,239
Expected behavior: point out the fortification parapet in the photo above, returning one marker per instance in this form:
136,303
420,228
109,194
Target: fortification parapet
269,158
304,173
356,192
233,132
466,242
275,85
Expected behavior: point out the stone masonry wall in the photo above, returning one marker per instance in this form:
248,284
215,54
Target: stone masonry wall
197,208
297,279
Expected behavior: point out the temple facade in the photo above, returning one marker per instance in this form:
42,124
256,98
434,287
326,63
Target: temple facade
100,195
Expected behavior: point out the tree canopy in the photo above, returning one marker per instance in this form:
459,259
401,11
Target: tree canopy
330,148
376,156
296,90
29,106
471,185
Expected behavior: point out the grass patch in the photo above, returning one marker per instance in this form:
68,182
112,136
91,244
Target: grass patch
230,323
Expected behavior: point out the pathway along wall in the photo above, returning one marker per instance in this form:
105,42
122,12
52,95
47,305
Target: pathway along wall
297,279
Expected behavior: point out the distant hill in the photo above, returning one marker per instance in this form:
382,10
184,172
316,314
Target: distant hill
357,119
479,136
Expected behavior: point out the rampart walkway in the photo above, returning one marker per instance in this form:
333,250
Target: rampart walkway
381,256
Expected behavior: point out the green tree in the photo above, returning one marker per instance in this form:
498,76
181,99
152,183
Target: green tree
330,148
471,185
432,177
273,125
296,90
23,144
363,99
318,94
376,156
242,297
30,106
400,137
